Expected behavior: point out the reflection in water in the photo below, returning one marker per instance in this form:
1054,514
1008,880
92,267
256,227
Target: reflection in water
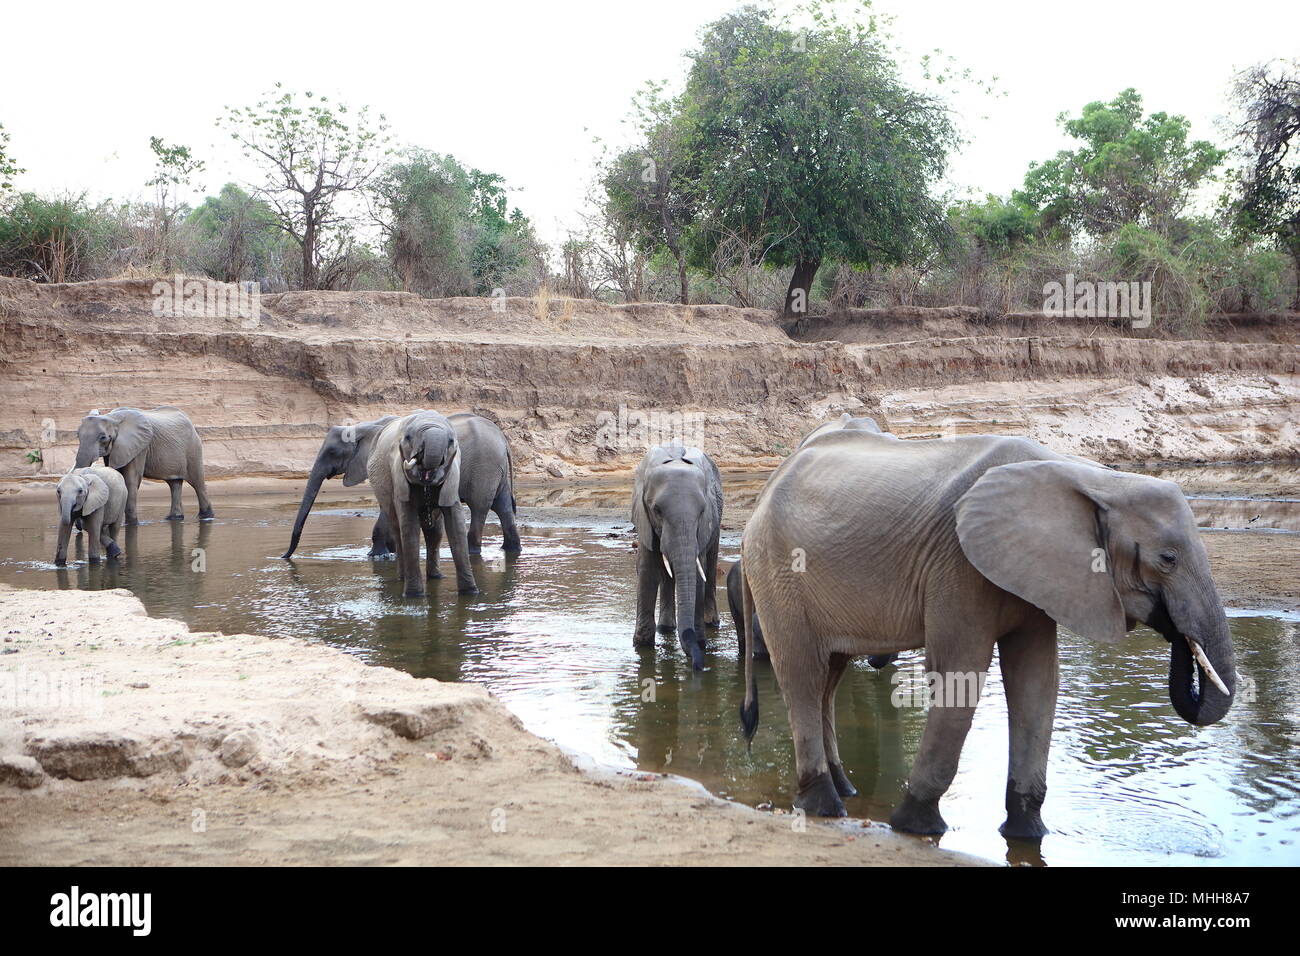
551,634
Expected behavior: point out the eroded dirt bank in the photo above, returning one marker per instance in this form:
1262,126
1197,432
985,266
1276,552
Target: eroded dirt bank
568,387
128,740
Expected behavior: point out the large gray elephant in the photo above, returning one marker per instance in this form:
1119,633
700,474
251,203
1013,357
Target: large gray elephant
486,478
414,470
160,443
865,544
677,511
95,496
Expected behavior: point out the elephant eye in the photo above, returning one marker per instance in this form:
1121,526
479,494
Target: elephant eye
1168,558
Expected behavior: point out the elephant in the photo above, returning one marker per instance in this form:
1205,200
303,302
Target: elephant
95,496
414,469
345,451
677,511
160,443
845,422
486,478
957,545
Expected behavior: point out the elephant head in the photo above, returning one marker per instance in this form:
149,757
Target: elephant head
344,452
671,512
1099,551
79,494
117,437
431,456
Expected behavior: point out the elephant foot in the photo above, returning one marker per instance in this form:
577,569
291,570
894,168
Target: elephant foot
693,647
881,660
918,816
114,551
817,797
714,622
512,547
841,780
176,517
1024,819
206,515
380,554
433,574
643,637
666,628
468,589
475,549
414,589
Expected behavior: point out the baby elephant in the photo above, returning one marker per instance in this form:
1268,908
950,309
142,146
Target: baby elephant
97,496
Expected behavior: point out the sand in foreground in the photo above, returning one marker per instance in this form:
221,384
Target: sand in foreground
149,744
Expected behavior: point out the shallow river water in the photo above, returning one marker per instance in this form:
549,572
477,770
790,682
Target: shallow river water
551,635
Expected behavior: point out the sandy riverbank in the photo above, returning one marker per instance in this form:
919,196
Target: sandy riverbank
135,741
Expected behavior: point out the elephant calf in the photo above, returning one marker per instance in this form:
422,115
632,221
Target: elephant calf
96,496
864,544
677,511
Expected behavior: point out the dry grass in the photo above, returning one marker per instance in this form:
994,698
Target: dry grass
542,303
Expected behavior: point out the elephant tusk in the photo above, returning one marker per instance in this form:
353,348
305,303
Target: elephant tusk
414,460
1199,653
666,565
701,567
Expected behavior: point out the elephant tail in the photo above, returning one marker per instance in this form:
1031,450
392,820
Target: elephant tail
749,709
510,474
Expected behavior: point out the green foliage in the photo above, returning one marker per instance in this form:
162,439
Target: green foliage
8,168
55,239
1128,170
809,146
238,236
449,229
995,224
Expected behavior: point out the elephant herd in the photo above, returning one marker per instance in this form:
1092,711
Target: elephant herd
861,544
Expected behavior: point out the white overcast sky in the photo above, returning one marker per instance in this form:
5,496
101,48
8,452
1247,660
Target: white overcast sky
521,88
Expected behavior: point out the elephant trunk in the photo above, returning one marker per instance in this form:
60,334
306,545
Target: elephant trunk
87,452
314,481
65,530
686,581
1200,659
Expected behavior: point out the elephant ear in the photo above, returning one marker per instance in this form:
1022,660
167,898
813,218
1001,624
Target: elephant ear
645,532
1033,528
96,493
134,433
357,470
449,493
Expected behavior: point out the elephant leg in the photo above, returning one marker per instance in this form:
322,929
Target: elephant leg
504,506
456,539
132,474
201,491
648,573
408,548
711,584
432,544
176,512
94,527
838,665
381,538
109,538
474,537
1028,659
960,662
667,598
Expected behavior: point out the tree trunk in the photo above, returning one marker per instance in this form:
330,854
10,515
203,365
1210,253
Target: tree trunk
309,278
800,292
682,280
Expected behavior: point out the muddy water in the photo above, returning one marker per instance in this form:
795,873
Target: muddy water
1129,782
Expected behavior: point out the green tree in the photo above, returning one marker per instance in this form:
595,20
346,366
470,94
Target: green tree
1130,169
239,234
648,186
174,167
808,146
313,153
8,168
1265,202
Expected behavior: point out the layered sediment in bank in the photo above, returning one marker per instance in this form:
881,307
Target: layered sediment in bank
581,386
